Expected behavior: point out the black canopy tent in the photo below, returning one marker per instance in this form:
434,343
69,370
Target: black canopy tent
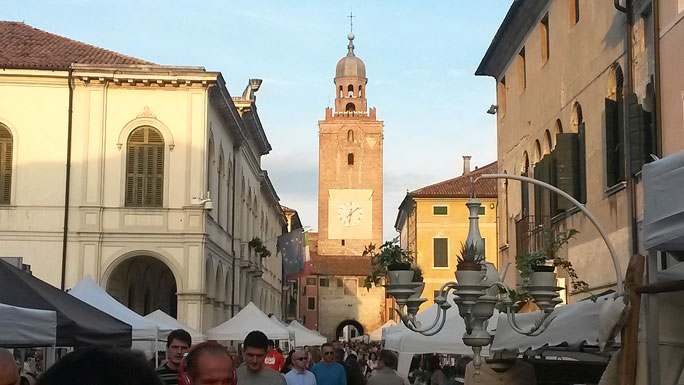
78,324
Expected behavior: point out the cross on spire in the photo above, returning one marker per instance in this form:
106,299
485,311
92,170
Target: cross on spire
351,22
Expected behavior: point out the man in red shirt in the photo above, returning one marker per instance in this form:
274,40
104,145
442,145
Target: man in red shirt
274,360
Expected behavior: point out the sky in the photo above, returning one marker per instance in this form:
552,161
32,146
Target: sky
420,61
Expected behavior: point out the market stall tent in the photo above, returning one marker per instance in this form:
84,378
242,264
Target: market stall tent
376,335
22,327
160,317
248,319
78,324
304,336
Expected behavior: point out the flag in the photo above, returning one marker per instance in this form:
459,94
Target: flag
292,248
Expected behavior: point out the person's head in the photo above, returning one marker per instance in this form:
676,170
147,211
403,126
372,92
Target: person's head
96,365
255,345
328,353
306,348
177,343
9,371
351,360
209,364
300,359
271,345
386,360
373,356
339,355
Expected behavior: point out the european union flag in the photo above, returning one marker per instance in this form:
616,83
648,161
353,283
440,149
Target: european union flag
292,247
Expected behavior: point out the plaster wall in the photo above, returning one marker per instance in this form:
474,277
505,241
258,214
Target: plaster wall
672,76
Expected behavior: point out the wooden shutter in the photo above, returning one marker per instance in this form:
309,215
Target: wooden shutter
441,252
145,168
542,197
525,197
612,168
567,167
641,134
582,163
5,166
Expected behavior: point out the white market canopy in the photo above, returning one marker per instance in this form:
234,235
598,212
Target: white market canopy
248,319
305,336
574,325
449,340
663,203
159,316
91,293
376,335
23,327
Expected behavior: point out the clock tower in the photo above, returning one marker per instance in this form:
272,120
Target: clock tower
350,165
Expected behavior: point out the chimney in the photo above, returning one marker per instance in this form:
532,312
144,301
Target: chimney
466,164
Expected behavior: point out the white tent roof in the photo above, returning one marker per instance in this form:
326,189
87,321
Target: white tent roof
448,340
376,335
159,316
663,203
574,324
248,319
91,293
305,336
23,327
280,323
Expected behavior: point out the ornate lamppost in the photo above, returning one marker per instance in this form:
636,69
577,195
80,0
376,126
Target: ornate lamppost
478,290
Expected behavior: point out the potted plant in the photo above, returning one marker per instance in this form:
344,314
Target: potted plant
391,261
537,268
469,269
255,243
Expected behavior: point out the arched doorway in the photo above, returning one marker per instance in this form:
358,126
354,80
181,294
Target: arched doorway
144,284
348,329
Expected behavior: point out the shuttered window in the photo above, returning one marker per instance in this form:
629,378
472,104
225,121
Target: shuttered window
5,165
441,252
145,168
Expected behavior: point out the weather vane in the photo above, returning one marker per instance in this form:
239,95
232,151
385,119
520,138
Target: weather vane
351,22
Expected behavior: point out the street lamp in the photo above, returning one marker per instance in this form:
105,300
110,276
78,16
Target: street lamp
478,291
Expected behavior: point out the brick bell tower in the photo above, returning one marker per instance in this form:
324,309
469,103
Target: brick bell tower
350,165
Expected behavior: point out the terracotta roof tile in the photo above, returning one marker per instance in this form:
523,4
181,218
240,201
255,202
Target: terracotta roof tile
24,46
459,187
346,265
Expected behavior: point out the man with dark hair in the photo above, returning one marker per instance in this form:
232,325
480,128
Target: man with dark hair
209,364
177,343
384,374
274,359
96,365
328,371
9,371
254,372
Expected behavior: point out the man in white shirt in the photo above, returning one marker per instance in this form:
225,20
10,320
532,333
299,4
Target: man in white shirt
299,375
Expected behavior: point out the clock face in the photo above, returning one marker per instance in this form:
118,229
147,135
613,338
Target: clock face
350,214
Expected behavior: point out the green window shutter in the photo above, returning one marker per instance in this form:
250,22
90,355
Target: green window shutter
567,167
440,210
441,252
612,131
145,168
538,199
641,134
5,165
581,164
525,196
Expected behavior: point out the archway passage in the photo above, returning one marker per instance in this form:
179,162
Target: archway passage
144,284
348,329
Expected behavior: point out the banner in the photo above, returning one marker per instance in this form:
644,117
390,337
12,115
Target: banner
292,248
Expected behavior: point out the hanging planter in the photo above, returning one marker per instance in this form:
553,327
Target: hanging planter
391,261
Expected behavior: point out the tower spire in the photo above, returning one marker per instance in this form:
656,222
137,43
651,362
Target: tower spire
350,46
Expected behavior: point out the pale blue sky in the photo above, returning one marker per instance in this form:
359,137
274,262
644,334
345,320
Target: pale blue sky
420,58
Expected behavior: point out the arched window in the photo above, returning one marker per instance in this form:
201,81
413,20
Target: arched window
350,91
360,92
350,107
350,136
5,165
145,168
548,143
350,158
558,127
537,151
341,92
615,168
524,188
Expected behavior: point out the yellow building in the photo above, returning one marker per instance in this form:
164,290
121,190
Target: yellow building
433,224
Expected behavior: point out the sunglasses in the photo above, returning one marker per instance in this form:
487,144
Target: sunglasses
328,353
301,358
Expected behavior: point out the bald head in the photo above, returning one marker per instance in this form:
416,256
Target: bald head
9,372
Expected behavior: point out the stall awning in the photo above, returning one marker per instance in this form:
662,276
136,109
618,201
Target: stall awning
22,327
663,203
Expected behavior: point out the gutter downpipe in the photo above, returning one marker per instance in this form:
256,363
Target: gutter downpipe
68,176
656,94
629,89
232,238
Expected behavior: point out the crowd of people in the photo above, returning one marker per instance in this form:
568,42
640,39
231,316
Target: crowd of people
210,363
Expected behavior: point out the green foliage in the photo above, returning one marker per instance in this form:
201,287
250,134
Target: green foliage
469,254
548,256
259,247
390,253
417,274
